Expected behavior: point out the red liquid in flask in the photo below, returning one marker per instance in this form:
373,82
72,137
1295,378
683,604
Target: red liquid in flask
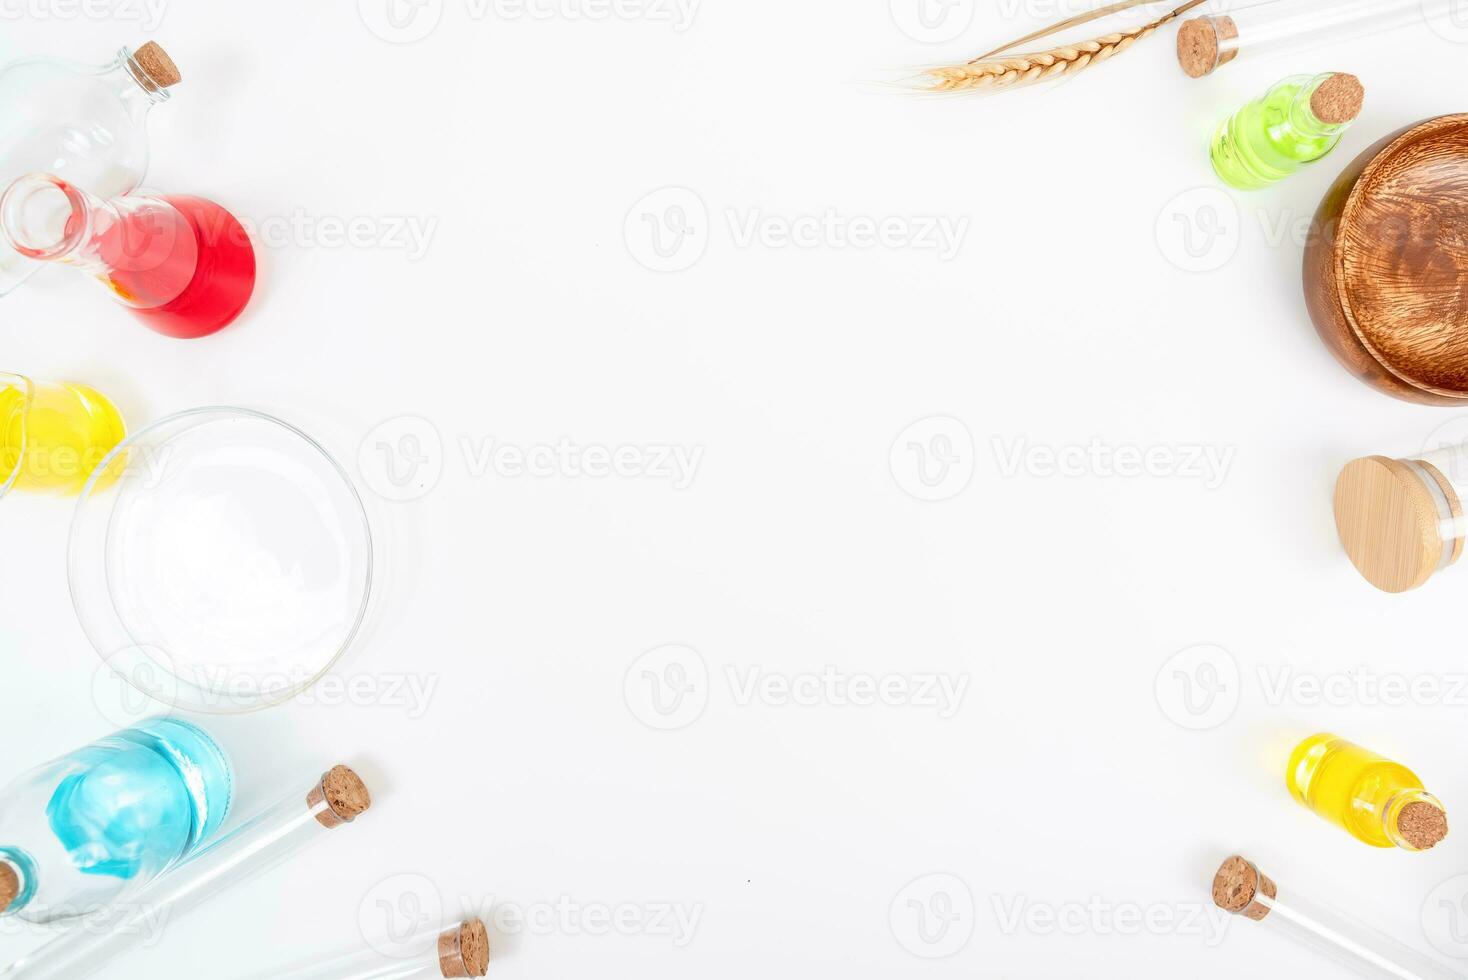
186,271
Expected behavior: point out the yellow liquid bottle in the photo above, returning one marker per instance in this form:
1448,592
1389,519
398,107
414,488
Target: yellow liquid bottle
1376,800
53,435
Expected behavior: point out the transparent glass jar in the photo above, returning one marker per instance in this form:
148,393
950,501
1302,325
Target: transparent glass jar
83,830
87,125
1401,521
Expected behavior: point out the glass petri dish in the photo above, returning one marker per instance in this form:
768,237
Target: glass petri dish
220,561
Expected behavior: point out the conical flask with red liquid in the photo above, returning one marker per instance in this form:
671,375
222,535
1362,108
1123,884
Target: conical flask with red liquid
184,266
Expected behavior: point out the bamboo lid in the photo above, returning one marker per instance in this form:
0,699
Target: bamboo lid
1389,521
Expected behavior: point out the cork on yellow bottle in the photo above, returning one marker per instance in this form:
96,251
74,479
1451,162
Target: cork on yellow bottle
1375,800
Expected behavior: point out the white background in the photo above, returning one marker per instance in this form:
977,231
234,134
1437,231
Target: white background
1068,783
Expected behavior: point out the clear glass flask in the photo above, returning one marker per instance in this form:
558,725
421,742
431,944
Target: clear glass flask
1298,121
84,830
86,124
183,265
1401,521
270,837
53,434
1241,889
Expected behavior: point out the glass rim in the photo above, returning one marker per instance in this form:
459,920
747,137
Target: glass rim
217,702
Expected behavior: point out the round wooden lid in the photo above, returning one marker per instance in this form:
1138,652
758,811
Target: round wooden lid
1388,522
1403,256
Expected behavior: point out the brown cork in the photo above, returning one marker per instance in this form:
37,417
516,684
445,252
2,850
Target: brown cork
157,65
344,794
463,951
1238,885
9,886
1338,99
1199,42
1422,825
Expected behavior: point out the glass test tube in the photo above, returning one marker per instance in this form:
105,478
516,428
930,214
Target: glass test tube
1402,521
1240,888
458,950
1206,43
337,798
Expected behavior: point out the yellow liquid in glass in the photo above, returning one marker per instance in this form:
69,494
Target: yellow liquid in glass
53,444
1349,786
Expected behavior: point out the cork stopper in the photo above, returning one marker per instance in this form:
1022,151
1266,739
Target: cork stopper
1338,99
344,794
1422,825
1389,515
463,951
9,886
1201,42
1238,886
157,65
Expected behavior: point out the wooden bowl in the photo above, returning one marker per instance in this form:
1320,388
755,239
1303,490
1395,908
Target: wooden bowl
1386,264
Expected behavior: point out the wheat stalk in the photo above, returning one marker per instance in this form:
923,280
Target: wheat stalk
990,73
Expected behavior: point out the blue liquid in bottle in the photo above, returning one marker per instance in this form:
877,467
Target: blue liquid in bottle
80,831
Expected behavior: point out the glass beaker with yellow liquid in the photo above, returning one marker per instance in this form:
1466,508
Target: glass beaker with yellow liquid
53,434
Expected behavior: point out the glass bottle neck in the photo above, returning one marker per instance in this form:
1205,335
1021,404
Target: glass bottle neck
1303,119
134,86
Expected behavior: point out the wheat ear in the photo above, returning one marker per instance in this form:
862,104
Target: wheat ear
1009,71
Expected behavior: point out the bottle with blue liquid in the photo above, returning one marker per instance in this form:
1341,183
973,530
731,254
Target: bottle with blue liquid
82,831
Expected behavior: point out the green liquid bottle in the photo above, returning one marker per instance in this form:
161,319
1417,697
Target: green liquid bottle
1299,120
